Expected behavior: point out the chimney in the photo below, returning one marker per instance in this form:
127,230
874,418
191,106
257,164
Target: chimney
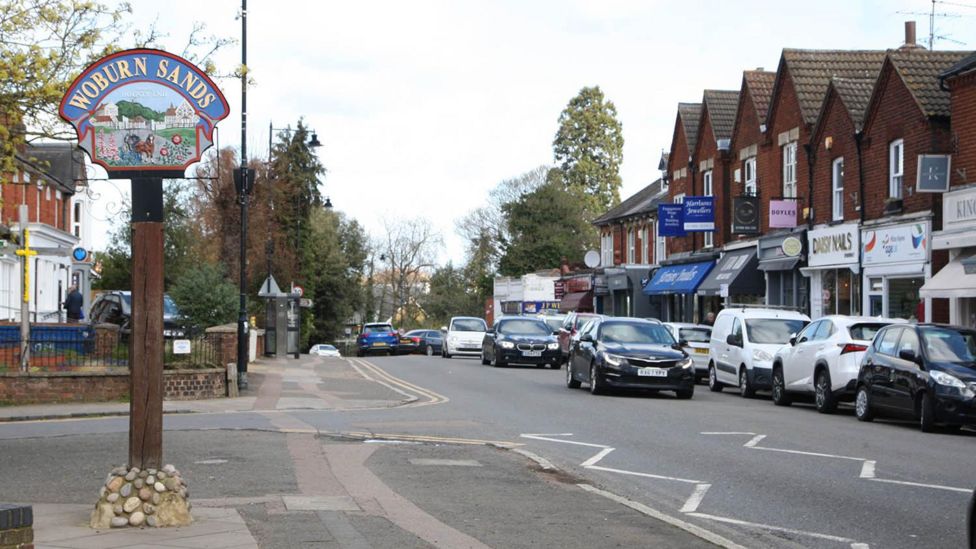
910,43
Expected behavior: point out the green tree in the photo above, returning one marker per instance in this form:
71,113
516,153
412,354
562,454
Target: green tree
205,297
588,151
544,227
450,295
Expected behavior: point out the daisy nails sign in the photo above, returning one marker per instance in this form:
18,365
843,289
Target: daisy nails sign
144,111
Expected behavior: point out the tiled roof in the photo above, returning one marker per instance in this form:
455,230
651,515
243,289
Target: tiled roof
920,69
690,113
812,70
721,105
855,93
62,162
641,202
761,90
966,64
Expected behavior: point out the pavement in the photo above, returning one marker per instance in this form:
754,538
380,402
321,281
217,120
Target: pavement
293,485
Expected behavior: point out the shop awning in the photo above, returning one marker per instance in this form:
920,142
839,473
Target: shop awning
951,281
678,279
785,264
737,270
576,301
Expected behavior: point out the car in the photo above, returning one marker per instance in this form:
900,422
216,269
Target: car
115,307
522,340
463,336
742,345
694,340
429,342
324,349
926,372
574,321
630,353
553,320
377,337
408,344
823,360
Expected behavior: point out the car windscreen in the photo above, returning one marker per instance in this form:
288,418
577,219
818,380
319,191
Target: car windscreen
947,345
377,328
865,331
326,348
169,307
524,327
468,325
697,335
772,330
554,323
635,332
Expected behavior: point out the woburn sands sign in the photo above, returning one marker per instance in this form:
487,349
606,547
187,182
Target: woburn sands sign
144,110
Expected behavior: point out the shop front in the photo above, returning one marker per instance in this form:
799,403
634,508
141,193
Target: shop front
781,258
735,279
626,296
578,296
834,267
674,287
957,280
895,265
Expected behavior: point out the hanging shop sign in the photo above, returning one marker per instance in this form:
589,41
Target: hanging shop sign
837,245
699,213
670,219
782,214
792,246
896,244
745,215
144,110
933,173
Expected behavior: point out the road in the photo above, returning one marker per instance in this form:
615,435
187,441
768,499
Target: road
756,474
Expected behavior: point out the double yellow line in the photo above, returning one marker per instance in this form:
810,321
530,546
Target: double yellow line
420,395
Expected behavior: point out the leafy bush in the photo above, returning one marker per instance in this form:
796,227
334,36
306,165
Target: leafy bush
205,297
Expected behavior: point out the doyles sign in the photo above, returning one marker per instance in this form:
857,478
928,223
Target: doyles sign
144,110
837,245
782,214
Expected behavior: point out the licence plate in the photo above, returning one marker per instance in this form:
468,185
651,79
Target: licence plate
531,353
379,344
702,351
652,372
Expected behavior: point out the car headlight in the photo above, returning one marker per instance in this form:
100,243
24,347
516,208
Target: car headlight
759,355
949,380
552,346
453,339
686,363
614,360
506,344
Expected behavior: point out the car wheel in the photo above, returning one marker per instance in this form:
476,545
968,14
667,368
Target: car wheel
780,396
429,351
745,389
484,361
556,365
571,382
685,394
823,394
926,413
862,404
494,360
596,387
445,354
714,385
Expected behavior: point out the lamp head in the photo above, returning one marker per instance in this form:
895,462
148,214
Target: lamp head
328,203
314,141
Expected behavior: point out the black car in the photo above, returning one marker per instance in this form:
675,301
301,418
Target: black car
521,340
115,307
428,342
629,354
926,372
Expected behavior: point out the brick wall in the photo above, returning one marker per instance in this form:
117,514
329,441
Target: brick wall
52,387
785,116
963,90
16,526
837,126
744,135
707,150
52,209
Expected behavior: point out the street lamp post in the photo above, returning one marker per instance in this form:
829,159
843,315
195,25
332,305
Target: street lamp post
242,344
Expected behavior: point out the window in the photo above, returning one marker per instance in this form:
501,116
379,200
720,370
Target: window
888,343
896,167
645,246
707,189
660,252
631,246
750,179
809,333
606,249
679,198
825,330
789,170
909,342
838,189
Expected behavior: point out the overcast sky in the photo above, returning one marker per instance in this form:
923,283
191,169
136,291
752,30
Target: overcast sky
424,106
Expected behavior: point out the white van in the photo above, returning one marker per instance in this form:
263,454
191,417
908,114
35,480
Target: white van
743,343
463,336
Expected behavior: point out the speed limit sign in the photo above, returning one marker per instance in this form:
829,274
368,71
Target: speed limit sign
298,290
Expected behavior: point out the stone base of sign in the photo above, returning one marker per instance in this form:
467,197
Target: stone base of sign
140,498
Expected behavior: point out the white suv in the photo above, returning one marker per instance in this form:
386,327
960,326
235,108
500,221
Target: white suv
463,336
742,346
823,360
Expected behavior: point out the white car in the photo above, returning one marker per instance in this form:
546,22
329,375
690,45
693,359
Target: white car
463,336
324,349
694,339
743,343
823,360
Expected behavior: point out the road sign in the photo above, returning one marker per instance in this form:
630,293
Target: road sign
80,255
298,290
305,302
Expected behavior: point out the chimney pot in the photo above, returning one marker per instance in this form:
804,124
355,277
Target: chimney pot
910,33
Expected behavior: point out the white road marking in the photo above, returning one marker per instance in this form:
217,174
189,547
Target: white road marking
593,460
725,433
921,485
754,441
547,438
707,535
691,505
645,475
867,470
802,453
860,546
772,528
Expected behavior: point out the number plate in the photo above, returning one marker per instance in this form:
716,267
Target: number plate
531,353
652,372
379,344
701,351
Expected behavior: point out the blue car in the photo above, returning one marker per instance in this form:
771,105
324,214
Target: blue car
377,337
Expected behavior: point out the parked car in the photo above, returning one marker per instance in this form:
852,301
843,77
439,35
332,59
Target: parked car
743,342
377,337
554,321
463,336
823,360
574,321
694,340
922,371
523,340
429,342
324,349
115,307
408,344
630,353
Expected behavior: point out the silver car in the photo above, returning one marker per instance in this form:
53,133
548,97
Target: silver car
694,339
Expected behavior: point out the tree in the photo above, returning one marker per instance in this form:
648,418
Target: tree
450,295
205,297
409,249
588,151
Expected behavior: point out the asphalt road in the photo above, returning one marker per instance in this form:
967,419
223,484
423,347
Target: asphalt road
757,474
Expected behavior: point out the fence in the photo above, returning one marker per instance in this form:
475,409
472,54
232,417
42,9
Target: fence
65,347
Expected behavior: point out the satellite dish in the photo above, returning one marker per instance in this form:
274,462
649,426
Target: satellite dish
592,259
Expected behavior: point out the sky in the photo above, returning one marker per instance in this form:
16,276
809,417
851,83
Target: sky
424,106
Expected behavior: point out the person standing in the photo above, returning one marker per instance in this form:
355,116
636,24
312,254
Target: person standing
73,304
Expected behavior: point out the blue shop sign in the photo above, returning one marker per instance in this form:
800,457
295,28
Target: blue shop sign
678,279
699,213
670,220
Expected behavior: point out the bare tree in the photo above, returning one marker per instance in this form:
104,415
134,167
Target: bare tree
409,250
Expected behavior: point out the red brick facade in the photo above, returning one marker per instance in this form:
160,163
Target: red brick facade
963,105
784,124
834,139
681,179
52,206
708,157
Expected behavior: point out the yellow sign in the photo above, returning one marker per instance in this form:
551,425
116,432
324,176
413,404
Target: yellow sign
26,252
